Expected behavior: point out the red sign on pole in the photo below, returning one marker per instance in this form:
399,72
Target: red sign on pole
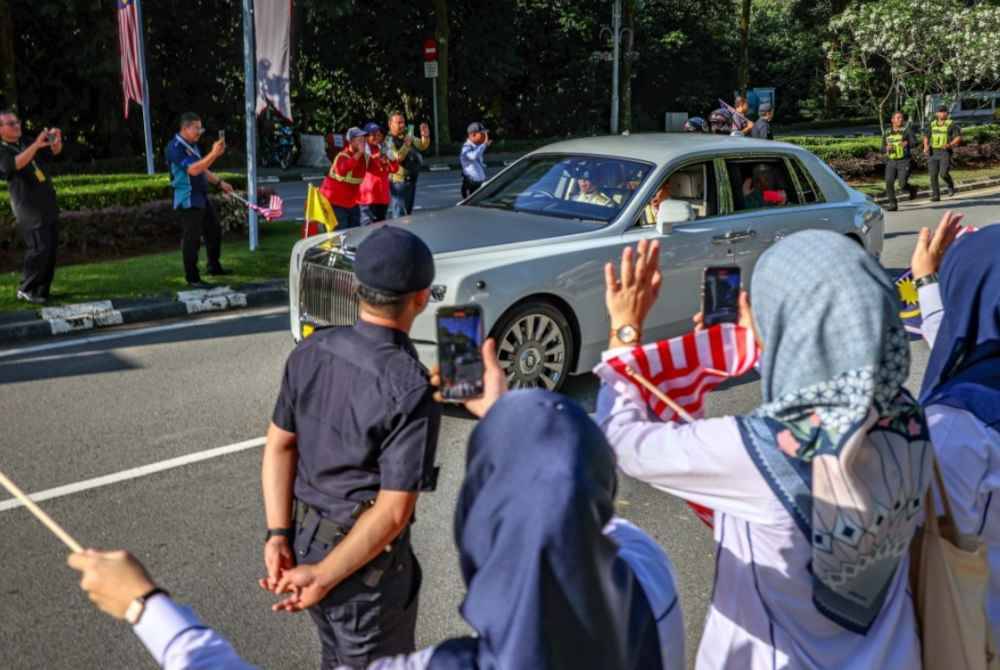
430,50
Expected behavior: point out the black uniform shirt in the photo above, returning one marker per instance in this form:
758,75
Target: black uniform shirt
761,129
32,198
362,408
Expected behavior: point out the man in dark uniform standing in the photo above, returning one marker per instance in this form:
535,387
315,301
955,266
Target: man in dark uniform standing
33,200
352,441
942,136
762,128
898,144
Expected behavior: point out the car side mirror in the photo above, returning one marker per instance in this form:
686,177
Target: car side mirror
672,212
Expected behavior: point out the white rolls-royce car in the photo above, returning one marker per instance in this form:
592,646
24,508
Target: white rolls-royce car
530,246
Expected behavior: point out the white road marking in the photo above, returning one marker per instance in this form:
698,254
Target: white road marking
133,473
62,344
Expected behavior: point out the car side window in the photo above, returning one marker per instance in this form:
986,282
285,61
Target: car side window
694,184
810,191
760,183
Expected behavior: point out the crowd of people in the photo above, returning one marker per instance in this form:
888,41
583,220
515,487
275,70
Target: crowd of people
816,495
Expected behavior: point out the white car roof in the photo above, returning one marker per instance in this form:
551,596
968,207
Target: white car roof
661,148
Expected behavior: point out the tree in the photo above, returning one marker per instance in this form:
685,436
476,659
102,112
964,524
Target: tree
8,62
744,76
442,33
628,56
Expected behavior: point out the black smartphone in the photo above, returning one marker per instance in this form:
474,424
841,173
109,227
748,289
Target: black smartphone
720,295
460,358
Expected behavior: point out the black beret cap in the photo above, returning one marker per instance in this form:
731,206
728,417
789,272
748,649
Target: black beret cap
394,260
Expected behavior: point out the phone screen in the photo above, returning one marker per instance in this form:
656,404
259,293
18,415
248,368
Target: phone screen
720,299
409,130
460,336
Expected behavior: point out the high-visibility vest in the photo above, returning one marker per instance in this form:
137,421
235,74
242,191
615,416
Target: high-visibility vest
894,139
350,177
939,133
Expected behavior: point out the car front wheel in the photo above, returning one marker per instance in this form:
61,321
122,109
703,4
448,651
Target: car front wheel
535,346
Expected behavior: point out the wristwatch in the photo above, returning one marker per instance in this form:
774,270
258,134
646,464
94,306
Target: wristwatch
279,532
926,280
138,606
627,334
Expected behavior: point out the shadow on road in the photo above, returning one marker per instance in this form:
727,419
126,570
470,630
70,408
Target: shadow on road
38,368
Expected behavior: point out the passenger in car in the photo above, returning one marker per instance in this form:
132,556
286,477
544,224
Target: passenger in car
649,213
759,190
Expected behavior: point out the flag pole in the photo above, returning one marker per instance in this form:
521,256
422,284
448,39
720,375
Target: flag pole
250,92
147,124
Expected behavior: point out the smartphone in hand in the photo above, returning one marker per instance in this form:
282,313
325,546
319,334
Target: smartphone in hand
222,135
460,357
720,295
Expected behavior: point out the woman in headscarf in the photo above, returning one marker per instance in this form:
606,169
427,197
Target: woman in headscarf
817,493
546,586
960,302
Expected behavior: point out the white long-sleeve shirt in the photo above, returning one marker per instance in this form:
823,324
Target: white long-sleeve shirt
968,452
473,161
762,616
177,640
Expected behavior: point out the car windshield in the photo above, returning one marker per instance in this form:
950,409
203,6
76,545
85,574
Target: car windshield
592,188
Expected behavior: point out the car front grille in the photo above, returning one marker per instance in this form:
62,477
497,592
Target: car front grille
326,295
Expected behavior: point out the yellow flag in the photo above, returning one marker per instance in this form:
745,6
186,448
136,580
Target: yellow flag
318,209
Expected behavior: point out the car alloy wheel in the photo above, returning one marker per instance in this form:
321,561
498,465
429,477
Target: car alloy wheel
535,347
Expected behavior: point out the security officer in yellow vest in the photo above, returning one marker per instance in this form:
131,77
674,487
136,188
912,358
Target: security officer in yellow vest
942,136
898,142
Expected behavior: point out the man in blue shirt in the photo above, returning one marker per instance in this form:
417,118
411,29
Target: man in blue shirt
189,177
473,160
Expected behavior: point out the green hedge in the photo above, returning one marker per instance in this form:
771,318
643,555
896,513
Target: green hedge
90,192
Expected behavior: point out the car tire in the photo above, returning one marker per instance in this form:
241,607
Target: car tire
535,345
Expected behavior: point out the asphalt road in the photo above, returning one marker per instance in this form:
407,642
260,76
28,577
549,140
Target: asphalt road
434,191
107,405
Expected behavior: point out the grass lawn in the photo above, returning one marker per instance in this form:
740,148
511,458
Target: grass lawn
876,187
162,273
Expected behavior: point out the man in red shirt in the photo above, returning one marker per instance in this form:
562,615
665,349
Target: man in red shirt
342,184
374,193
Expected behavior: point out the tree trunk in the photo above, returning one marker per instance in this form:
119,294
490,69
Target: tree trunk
8,61
744,75
441,34
628,20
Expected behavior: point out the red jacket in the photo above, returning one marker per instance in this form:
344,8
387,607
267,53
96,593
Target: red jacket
375,188
342,183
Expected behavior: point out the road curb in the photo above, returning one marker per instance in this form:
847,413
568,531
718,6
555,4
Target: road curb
960,188
68,319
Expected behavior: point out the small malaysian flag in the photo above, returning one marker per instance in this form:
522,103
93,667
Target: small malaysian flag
684,370
128,43
275,208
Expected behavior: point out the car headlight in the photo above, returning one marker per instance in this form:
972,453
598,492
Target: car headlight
438,292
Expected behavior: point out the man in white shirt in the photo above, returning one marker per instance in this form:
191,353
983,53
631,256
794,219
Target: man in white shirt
472,158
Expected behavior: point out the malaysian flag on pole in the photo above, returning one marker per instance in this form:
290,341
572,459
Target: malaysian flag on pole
674,376
128,43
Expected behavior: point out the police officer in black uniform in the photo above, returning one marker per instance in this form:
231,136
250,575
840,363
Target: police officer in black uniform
942,136
353,441
898,143
33,200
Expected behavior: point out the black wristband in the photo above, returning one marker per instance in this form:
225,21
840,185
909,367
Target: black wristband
286,533
926,280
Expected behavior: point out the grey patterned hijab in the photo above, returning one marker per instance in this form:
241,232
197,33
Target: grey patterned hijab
841,443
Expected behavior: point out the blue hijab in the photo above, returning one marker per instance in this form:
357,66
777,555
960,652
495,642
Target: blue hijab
546,589
840,442
964,368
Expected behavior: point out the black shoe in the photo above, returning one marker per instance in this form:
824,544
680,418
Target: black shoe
220,272
891,207
952,191
913,192
936,198
33,299
200,285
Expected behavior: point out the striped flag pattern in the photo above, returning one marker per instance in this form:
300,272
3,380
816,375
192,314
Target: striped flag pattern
685,369
275,208
128,42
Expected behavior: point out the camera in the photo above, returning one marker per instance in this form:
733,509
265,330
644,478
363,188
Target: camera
51,138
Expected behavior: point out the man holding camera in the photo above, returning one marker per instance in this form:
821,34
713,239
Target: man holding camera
189,177
33,199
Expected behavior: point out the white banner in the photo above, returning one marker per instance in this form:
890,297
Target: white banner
273,27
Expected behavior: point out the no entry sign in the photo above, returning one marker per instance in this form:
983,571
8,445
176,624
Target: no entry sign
430,50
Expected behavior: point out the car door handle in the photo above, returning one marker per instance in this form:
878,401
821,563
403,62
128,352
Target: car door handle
734,236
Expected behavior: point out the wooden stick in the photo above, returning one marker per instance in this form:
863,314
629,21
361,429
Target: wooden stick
649,386
48,521
713,371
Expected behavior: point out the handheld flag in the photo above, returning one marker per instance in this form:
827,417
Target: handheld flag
909,297
741,121
318,211
274,210
677,374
